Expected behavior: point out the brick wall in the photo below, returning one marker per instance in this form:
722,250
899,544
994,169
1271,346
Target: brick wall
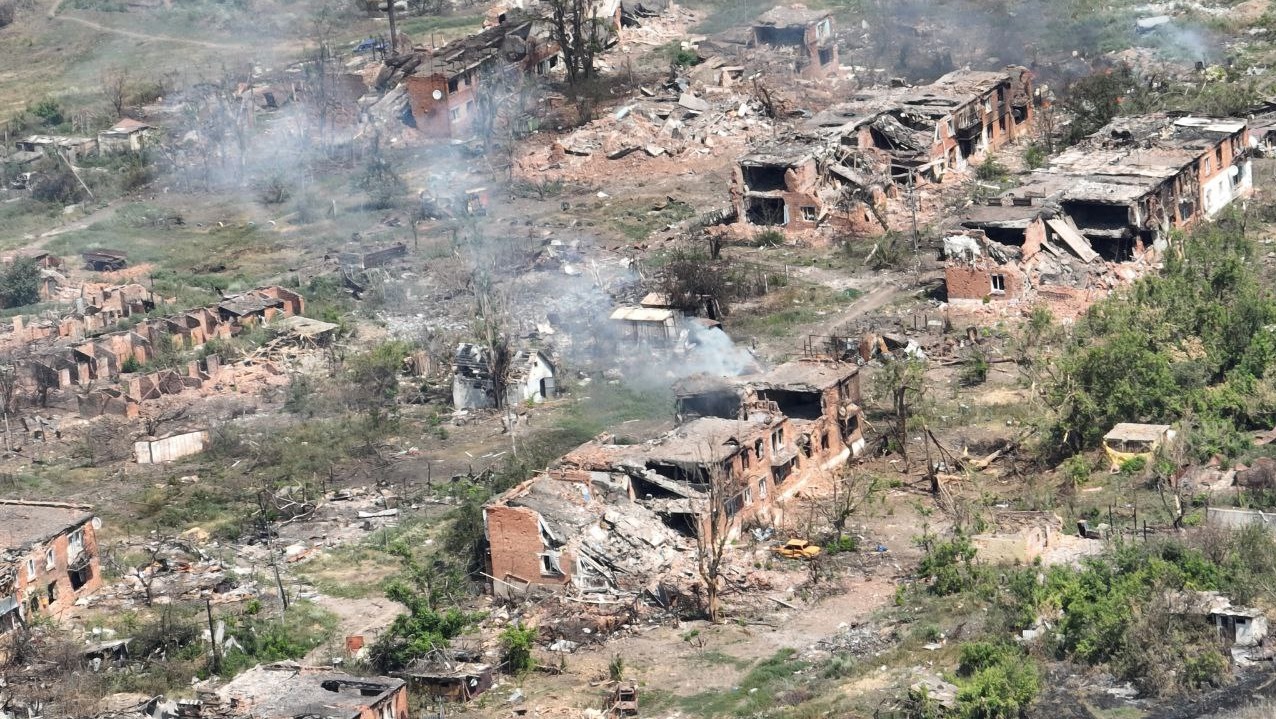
33,591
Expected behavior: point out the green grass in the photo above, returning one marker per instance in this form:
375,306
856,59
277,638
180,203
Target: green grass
234,257
757,692
419,28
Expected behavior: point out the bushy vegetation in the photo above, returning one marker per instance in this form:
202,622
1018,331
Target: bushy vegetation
19,283
1195,341
516,648
265,639
428,626
995,681
1122,611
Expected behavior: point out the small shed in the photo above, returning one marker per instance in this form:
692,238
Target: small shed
646,324
456,682
127,135
1128,440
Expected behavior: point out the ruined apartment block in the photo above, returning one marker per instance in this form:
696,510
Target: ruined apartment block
1101,212
48,560
555,529
847,159
810,32
443,84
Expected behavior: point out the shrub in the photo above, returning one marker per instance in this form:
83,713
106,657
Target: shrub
516,648
48,112
992,170
768,238
997,681
1034,157
20,283
949,566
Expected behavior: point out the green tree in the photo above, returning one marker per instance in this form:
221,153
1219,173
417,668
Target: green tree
20,283
1197,338
374,379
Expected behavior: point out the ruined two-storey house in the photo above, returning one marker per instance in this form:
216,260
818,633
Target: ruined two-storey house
808,32
48,560
1104,206
840,165
576,525
445,87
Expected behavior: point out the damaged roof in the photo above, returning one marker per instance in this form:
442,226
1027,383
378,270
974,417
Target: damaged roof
1127,159
791,15
800,376
23,524
471,51
286,689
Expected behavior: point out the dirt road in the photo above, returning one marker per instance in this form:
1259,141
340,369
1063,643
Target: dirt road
53,14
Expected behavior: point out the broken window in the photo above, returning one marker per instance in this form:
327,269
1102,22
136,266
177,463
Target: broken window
10,620
52,590
795,404
809,214
1208,169
851,426
455,114
454,84
998,284
75,543
777,441
1218,156
30,570
550,566
762,488
748,496
763,178
469,107
766,211
49,560
757,449
768,35
734,505
825,55
781,473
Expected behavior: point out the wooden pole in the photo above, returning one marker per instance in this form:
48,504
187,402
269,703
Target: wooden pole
212,636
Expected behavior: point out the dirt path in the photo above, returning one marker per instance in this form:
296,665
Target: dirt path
53,14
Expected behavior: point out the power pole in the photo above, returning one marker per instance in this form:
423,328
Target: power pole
394,33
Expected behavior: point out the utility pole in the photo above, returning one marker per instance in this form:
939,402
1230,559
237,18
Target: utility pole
394,33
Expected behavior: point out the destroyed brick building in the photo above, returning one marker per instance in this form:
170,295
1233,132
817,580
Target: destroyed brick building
1101,212
74,357
286,690
443,85
810,31
48,560
127,135
526,376
843,162
577,523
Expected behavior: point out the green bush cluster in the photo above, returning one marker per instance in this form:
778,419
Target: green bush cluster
1195,340
995,681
